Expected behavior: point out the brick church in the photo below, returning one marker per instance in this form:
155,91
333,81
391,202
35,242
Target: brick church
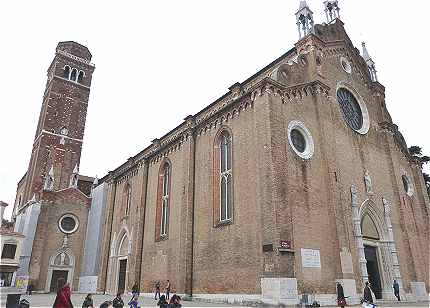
293,180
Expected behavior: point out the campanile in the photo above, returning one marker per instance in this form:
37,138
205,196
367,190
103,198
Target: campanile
59,135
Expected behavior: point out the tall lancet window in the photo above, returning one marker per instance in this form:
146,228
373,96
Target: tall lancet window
223,181
163,201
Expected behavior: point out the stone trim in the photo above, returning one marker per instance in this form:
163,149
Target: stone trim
214,118
79,59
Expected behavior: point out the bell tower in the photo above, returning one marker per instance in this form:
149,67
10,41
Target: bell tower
59,135
304,20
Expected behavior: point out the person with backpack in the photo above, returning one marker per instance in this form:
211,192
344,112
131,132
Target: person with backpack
88,302
117,301
162,302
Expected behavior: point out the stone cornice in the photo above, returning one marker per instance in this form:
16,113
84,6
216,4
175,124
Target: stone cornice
236,102
76,58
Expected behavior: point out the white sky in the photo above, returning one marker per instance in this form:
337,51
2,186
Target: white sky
159,61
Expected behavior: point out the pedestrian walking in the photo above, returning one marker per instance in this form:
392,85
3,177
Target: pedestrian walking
88,302
367,294
396,289
167,289
162,302
134,302
117,301
135,290
62,300
157,290
29,290
341,301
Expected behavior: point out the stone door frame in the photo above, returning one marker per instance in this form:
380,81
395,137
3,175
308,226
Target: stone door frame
386,246
52,267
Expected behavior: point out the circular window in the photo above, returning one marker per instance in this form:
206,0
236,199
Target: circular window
300,139
407,185
68,223
354,111
346,65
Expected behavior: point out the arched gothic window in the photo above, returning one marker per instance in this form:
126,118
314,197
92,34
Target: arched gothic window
223,181
66,72
73,75
163,201
81,76
127,199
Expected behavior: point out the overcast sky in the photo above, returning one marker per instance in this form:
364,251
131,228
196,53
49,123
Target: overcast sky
159,61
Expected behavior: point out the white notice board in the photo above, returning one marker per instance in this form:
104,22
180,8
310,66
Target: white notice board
311,258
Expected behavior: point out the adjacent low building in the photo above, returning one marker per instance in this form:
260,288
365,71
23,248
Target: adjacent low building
10,250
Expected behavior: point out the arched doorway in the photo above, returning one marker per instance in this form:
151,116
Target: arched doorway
376,248
371,239
123,251
61,265
118,267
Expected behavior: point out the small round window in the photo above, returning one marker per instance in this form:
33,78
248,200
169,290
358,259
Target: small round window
68,224
300,139
407,185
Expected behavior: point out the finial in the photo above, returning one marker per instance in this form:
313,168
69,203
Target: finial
96,181
304,19
51,171
76,169
331,9
370,64
366,56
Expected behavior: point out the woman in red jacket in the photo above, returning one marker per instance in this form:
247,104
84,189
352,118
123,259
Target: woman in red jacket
63,295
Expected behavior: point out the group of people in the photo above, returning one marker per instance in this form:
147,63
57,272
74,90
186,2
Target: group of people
367,294
63,298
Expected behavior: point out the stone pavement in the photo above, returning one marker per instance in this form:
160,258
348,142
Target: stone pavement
46,300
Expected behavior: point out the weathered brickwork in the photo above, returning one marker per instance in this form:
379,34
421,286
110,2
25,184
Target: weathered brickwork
52,181
277,196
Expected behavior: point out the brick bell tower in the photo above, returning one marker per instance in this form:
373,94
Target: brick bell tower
55,157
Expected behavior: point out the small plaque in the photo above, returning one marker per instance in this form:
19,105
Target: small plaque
311,258
285,244
267,247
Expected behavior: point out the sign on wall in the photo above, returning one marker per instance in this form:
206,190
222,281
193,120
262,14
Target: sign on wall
311,258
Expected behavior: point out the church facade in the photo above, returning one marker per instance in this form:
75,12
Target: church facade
295,179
